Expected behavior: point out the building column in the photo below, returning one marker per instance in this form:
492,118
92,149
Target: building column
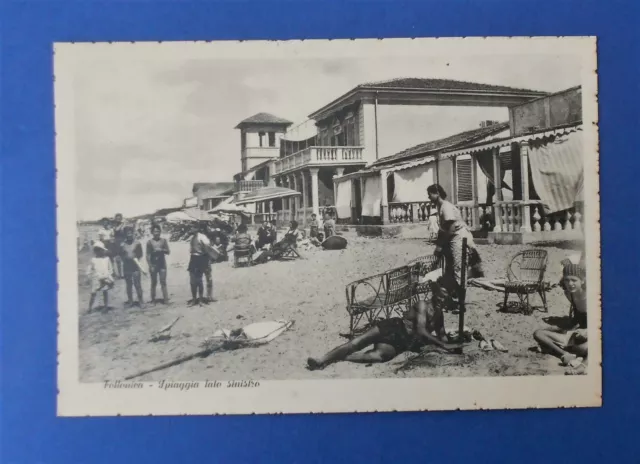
304,197
497,181
271,211
475,211
524,181
296,204
314,191
384,202
339,172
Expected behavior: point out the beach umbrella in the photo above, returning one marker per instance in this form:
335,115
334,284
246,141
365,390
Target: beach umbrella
199,215
178,216
231,209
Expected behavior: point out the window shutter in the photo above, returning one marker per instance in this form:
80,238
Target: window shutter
464,181
506,163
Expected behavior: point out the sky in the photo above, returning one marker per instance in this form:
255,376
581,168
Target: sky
147,129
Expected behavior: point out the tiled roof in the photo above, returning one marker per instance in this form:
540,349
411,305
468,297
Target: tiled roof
264,118
439,84
450,142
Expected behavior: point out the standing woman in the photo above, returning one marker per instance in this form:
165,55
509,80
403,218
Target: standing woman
450,235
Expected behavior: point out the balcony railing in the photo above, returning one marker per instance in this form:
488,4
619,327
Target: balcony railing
249,185
320,156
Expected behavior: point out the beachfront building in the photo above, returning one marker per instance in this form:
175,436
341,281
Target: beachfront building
537,156
351,136
209,194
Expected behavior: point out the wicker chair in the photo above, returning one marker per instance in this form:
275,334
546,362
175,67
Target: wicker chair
378,297
525,276
243,252
420,268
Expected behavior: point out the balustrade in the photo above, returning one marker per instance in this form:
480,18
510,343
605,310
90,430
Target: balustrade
319,155
570,219
415,211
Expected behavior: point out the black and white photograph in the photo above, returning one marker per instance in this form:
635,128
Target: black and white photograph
327,226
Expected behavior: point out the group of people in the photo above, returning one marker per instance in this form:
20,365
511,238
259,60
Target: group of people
423,323
118,254
328,227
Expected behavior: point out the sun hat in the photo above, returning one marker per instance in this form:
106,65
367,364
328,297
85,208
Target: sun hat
99,244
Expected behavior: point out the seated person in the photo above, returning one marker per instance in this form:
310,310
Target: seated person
264,235
274,231
243,240
569,345
314,226
293,234
329,226
421,324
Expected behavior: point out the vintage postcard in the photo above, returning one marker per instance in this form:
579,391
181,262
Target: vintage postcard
327,226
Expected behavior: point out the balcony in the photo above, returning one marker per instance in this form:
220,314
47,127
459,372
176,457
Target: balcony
249,185
320,156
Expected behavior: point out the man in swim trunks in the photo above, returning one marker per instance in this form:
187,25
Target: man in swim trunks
420,325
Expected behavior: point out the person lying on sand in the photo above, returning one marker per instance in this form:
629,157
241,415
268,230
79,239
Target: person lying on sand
420,325
569,345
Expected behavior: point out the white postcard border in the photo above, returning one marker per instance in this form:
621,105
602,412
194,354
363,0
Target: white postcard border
320,396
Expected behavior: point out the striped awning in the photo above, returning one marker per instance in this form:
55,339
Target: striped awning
557,170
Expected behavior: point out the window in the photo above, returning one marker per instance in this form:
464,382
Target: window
464,180
260,137
350,130
272,139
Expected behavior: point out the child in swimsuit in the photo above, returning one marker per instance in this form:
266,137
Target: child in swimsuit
157,251
100,272
571,344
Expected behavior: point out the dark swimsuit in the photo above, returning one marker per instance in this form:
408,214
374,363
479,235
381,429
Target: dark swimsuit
394,332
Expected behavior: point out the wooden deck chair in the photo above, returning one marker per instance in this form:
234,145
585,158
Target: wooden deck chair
285,249
243,252
525,276
378,297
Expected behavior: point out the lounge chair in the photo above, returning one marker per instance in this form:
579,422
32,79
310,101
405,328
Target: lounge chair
525,276
285,249
378,297
242,252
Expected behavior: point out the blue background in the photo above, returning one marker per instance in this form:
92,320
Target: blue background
30,431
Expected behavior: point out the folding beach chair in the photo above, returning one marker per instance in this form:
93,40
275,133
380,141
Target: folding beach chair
242,252
285,249
525,276
378,297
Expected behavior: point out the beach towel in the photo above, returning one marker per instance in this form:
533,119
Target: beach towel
495,284
432,276
258,333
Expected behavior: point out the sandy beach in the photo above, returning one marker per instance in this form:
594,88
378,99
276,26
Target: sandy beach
115,342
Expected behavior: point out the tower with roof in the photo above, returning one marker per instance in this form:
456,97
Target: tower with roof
260,139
